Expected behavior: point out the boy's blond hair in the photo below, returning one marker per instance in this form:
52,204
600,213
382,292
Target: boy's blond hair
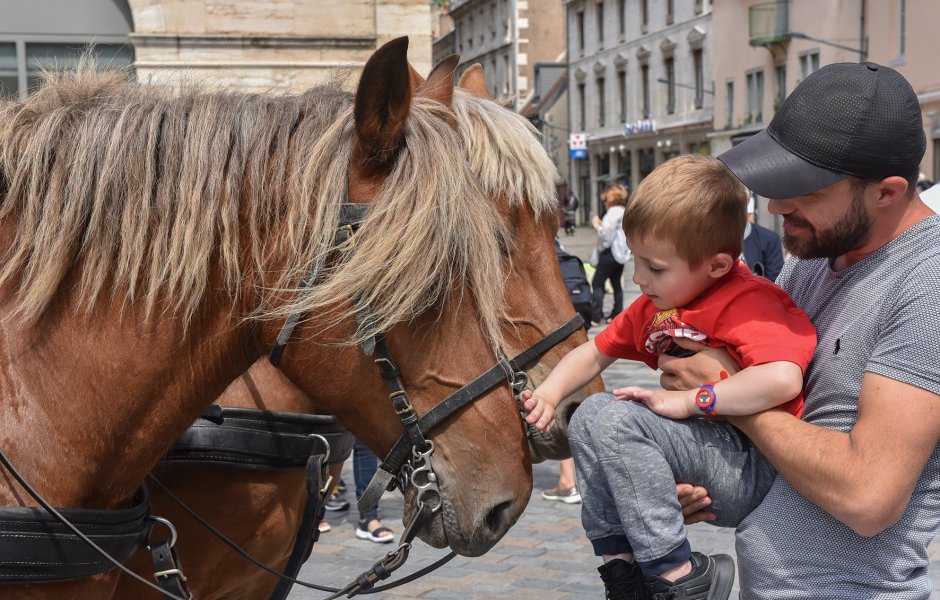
694,202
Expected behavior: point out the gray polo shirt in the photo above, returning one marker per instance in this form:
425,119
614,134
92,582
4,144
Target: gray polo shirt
881,315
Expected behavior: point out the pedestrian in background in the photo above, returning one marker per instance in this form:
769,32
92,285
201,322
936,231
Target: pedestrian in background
609,267
763,252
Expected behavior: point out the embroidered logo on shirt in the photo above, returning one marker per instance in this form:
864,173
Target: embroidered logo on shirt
664,328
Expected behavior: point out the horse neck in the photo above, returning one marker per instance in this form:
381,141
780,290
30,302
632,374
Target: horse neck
110,393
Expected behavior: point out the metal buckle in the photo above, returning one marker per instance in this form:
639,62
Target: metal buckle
346,231
170,573
407,406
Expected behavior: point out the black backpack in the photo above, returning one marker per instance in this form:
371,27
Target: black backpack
579,290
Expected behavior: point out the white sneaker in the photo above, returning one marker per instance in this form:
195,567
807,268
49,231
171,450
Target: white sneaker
567,495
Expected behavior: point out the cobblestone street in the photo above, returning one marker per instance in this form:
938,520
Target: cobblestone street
545,556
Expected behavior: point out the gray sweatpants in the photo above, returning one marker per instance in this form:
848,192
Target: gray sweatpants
628,461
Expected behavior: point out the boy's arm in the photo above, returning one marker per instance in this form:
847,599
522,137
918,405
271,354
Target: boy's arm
751,390
573,372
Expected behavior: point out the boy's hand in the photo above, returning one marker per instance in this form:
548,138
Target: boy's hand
672,405
541,412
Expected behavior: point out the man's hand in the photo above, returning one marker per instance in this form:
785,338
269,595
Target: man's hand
690,373
694,499
541,412
672,405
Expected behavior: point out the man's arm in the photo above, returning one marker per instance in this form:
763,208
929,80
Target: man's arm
863,478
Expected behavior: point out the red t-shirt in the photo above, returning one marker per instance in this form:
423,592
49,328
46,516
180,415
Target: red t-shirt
747,315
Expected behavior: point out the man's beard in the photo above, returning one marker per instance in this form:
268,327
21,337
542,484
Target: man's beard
850,232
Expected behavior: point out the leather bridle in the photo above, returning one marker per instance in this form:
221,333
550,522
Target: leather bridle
409,463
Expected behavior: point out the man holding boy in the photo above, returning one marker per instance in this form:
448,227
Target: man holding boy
857,499
685,226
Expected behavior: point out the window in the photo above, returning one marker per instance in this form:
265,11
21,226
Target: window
697,6
601,101
507,84
9,78
669,12
599,12
622,90
494,77
780,74
729,105
624,168
697,65
470,33
645,82
644,14
902,27
809,63
579,26
482,28
582,112
755,96
60,57
622,16
670,65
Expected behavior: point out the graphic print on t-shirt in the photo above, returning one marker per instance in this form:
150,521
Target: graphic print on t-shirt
664,328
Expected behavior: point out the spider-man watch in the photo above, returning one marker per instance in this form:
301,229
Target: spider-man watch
705,398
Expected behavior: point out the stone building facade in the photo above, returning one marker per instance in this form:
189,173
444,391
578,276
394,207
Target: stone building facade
768,47
276,44
639,86
508,37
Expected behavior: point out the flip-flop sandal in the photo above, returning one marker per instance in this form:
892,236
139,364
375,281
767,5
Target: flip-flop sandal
323,527
379,535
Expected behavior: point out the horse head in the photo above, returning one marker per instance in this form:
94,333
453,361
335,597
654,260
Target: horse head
454,267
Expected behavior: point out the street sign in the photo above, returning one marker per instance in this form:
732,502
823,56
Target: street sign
577,143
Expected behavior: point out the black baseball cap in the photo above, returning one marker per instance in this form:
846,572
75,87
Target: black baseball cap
844,120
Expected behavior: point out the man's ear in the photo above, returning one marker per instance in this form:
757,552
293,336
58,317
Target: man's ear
720,264
891,189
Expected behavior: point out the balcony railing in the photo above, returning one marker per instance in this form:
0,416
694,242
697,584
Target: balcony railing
769,23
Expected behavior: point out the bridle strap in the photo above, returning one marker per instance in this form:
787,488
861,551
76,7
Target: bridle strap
351,215
497,374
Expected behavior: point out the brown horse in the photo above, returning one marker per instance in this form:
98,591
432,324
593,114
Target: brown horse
261,510
154,242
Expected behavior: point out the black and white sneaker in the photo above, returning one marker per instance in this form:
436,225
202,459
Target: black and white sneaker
711,579
623,581
336,503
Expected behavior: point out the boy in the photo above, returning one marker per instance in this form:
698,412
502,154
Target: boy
684,225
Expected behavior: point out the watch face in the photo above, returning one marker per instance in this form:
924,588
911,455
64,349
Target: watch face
705,399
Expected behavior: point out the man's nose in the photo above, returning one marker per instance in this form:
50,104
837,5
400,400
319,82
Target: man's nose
779,207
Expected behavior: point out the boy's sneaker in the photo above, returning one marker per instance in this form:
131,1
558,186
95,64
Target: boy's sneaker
566,495
623,581
336,503
711,579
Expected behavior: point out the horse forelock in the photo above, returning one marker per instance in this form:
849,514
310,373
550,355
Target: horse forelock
148,191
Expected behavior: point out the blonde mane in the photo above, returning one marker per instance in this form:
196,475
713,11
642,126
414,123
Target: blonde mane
144,194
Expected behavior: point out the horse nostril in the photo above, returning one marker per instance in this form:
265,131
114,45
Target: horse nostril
497,521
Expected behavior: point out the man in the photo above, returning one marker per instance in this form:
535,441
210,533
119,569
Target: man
762,251
857,497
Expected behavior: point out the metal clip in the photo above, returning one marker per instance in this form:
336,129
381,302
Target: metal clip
423,478
168,525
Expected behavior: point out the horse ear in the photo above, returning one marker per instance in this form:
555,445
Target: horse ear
440,83
416,79
474,81
383,100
